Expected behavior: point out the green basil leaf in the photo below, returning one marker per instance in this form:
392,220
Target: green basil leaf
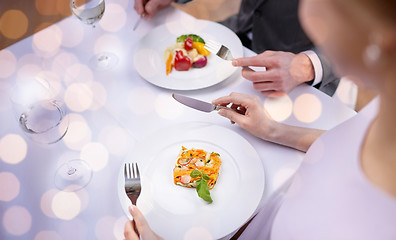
195,173
205,176
203,190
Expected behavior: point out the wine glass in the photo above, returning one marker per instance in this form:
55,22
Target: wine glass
73,175
40,114
90,12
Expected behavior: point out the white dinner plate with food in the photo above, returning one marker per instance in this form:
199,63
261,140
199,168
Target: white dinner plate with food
149,59
177,212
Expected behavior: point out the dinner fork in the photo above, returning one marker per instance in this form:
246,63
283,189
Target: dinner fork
220,50
132,181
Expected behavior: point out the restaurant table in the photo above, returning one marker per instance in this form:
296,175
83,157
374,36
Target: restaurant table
109,113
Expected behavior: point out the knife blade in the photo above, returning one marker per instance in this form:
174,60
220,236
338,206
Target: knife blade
196,104
138,21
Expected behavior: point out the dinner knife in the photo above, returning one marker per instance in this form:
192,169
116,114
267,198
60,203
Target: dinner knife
196,104
138,21
140,18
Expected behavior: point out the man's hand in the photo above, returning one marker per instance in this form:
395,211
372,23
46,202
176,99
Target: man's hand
284,71
151,7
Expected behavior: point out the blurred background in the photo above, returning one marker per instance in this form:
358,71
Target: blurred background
22,18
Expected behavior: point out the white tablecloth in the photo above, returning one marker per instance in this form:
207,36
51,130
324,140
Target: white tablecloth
108,117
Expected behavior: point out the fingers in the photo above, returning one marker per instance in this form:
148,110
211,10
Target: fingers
129,232
232,115
153,6
139,219
235,98
262,76
139,6
264,59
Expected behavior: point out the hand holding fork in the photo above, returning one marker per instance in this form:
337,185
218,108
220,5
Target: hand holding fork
132,183
221,51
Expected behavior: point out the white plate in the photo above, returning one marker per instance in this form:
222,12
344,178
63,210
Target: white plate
149,62
176,212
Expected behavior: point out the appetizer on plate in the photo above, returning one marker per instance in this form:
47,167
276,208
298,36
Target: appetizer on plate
187,52
196,168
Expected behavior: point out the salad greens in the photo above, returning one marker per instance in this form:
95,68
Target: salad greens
194,37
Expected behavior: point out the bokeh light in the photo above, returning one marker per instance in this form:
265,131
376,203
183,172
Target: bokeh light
78,97
45,7
72,40
46,201
55,86
347,92
115,139
19,26
17,220
198,233
279,108
118,229
140,100
62,61
103,229
47,235
48,41
166,107
63,7
114,19
78,73
13,141
99,95
108,43
7,63
28,58
28,71
5,95
307,108
78,134
96,155
66,205
9,187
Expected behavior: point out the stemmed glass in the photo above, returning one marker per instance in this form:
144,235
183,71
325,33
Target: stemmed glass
40,114
90,12
73,175
42,117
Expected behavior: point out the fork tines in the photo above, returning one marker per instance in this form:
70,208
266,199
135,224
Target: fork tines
131,171
212,46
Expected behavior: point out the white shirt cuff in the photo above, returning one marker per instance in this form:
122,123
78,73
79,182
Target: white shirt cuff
317,65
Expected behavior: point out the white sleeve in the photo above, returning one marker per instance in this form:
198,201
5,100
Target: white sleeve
317,65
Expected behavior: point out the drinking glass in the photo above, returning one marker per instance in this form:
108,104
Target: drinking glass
40,114
90,12
73,175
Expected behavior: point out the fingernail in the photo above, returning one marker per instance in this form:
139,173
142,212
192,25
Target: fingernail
148,8
132,208
234,63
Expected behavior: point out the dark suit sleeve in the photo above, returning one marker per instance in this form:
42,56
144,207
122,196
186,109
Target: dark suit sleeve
330,80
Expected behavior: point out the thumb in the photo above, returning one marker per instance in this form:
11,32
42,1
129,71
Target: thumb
151,8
